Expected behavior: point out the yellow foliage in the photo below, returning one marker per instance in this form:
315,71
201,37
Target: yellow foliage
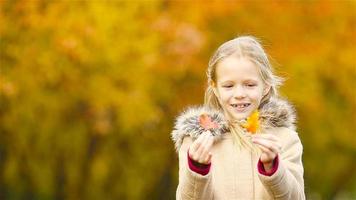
89,89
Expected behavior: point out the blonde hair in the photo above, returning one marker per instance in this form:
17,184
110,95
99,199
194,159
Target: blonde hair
247,47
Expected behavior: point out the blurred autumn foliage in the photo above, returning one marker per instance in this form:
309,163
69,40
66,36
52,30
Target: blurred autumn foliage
90,89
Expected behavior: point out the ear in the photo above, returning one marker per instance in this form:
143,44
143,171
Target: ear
266,90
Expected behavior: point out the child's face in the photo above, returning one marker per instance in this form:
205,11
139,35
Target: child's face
239,86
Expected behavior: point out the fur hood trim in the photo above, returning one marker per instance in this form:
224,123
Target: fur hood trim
276,112
187,124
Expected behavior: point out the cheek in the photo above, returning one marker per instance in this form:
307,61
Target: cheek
256,95
225,95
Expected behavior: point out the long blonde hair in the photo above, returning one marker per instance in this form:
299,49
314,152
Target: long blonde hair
248,47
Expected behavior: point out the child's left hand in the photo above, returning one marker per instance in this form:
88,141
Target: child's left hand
270,146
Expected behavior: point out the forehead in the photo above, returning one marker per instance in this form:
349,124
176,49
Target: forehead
236,69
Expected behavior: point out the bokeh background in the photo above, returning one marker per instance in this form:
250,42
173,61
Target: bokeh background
90,89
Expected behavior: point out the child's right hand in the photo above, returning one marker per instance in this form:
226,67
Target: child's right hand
200,149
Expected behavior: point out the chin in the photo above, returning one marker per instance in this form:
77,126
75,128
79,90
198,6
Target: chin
240,115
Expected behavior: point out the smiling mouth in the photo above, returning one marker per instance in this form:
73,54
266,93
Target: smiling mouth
241,105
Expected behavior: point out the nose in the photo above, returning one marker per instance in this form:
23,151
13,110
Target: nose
239,92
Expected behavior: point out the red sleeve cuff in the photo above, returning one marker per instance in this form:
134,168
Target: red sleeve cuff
261,168
201,169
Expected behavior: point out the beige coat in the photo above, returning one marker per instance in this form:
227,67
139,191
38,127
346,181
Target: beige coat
233,173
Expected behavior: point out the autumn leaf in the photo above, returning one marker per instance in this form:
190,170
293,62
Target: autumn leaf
252,124
206,122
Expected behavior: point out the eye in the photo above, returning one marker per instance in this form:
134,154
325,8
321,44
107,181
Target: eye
251,85
227,86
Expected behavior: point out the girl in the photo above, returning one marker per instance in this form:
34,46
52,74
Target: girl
242,143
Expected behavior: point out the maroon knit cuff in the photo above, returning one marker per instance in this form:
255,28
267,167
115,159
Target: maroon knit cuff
261,168
199,168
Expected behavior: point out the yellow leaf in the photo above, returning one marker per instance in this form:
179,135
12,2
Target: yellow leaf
252,124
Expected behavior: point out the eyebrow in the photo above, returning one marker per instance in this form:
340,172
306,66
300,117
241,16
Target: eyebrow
247,80
228,81
250,80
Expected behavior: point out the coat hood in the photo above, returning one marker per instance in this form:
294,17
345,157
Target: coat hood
277,112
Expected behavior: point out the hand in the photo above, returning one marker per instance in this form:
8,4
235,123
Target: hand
200,149
270,147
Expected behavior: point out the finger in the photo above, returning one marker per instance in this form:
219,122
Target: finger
207,148
201,147
264,149
267,155
197,143
208,142
208,160
267,152
270,139
208,132
194,147
267,144
273,145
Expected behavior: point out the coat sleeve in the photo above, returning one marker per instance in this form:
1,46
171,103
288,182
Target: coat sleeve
287,182
191,184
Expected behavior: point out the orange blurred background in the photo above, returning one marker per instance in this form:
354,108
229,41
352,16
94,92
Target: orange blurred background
90,90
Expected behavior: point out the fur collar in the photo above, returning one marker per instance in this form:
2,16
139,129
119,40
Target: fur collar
276,112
